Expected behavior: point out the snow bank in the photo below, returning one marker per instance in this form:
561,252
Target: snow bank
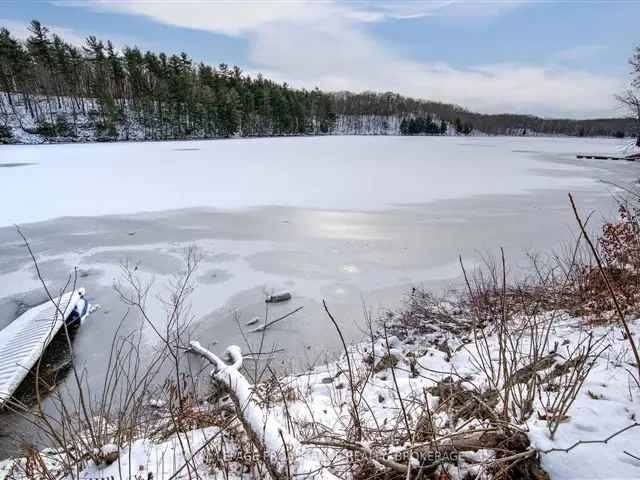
607,405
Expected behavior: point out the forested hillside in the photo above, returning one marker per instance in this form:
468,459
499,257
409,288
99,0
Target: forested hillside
55,91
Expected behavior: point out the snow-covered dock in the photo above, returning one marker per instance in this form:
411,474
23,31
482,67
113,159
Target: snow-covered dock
25,339
628,158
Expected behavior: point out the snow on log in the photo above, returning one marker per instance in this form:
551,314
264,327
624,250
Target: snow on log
282,453
265,431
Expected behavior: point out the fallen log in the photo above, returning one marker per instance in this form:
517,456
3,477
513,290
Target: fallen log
278,297
511,448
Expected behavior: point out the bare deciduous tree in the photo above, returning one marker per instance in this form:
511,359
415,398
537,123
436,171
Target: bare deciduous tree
630,99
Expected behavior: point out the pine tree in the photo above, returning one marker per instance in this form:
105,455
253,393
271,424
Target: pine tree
403,127
459,126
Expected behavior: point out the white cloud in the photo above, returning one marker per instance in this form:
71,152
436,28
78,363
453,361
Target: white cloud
326,44
339,58
227,17
241,17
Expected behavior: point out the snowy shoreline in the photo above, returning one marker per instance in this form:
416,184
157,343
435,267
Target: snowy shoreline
22,126
420,369
66,141
541,391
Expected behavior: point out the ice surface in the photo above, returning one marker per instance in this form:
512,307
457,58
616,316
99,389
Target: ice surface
345,173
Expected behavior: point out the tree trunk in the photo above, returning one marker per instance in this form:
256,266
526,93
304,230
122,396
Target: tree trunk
638,119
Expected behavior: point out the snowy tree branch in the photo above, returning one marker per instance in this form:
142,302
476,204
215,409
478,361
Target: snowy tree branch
282,453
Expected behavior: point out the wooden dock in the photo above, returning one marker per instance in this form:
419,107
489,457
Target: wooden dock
628,158
24,340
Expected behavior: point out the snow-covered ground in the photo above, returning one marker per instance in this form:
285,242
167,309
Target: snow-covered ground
319,403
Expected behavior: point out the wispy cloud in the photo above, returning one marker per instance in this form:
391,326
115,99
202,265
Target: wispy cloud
227,17
401,10
239,18
581,52
481,10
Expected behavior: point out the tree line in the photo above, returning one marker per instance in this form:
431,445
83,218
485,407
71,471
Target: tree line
64,88
461,119
168,95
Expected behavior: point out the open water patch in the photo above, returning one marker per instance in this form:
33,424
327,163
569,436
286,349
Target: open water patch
15,164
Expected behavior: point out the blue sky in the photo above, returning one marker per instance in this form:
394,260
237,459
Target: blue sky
550,58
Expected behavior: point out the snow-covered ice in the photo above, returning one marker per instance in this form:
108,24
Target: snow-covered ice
344,173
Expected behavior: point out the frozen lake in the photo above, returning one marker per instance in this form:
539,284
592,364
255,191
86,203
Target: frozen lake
339,173
353,220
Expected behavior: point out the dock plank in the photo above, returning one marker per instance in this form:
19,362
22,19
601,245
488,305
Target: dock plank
24,340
